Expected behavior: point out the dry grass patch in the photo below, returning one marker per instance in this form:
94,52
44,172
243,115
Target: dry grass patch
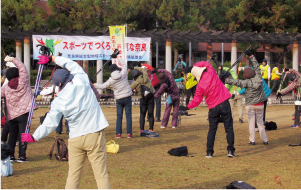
143,163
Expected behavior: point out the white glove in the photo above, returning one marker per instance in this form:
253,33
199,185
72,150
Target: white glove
236,93
241,68
8,59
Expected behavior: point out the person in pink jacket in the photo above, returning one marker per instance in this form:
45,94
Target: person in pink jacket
18,96
216,97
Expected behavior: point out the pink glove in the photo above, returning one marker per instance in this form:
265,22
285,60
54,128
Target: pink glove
43,59
26,137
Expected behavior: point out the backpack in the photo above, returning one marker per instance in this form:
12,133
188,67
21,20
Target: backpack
180,151
61,150
239,185
270,125
146,93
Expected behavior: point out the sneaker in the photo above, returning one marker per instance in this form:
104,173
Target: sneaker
118,136
294,126
158,119
22,159
129,135
241,121
174,127
151,130
265,142
256,129
252,142
162,127
209,155
141,131
231,154
13,159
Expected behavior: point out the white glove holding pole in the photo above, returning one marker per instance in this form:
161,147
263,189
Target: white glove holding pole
8,59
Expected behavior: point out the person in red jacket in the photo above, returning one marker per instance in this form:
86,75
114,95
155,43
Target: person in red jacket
216,97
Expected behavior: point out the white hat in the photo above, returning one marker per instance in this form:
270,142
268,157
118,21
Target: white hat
10,64
197,72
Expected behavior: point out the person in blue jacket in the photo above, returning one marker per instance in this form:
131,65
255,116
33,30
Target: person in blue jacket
267,92
77,102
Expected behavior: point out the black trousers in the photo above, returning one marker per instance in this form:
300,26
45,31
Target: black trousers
16,127
297,115
223,111
147,106
189,92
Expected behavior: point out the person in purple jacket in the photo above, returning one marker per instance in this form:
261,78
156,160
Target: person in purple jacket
170,87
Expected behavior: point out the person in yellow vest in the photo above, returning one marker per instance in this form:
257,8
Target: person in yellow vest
189,82
265,71
275,76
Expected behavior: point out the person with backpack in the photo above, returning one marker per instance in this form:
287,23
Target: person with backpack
122,93
18,96
156,84
217,98
293,76
141,80
255,98
170,87
76,101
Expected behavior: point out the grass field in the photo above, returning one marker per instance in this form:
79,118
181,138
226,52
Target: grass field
143,163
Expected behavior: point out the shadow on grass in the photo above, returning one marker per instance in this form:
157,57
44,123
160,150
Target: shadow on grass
275,143
32,170
244,175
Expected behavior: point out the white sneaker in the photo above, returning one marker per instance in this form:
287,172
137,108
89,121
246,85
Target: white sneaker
174,127
256,129
162,127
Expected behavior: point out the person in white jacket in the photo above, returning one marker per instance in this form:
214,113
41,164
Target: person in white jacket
122,93
77,102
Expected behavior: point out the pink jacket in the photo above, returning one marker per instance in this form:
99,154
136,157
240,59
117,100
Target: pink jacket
18,101
209,86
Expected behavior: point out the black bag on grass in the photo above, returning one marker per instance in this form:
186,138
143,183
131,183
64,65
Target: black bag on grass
61,150
239,185
270,125
180,151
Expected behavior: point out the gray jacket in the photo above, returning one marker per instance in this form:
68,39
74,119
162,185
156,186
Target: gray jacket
119,82
254,86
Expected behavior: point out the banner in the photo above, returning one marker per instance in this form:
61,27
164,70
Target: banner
91,47
117,36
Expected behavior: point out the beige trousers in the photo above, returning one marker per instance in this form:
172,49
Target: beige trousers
256,111
238,100
93,146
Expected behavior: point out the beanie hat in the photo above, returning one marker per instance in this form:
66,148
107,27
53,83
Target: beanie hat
12,73
61,76
187,70
113,68
249,73
162,77
135,73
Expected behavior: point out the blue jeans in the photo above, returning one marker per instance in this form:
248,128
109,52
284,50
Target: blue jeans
59,128
125,103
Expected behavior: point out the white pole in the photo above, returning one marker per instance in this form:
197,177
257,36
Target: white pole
234,55
168,55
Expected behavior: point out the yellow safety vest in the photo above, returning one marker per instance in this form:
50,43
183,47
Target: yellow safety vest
190,82
264,71
274,75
